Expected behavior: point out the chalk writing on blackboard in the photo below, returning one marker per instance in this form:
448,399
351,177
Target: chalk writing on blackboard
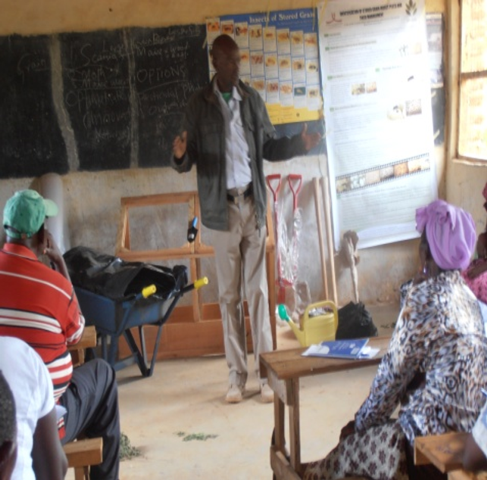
97,97
31,143
169,65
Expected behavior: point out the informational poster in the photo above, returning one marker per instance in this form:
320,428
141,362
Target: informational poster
376,83
279,58
434,32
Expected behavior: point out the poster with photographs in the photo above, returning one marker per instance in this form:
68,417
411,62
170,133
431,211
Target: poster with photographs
279,58
377,105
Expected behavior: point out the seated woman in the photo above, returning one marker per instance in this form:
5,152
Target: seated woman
434,367
475,274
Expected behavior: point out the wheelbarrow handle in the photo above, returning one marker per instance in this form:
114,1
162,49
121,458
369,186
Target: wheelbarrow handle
148,291
200,282
197,284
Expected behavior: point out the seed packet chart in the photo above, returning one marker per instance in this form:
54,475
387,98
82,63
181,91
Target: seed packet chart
279,58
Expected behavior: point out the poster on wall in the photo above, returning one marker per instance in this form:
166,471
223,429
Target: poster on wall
434,32
279,58
376,84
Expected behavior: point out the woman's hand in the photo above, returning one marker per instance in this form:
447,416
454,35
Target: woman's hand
347,430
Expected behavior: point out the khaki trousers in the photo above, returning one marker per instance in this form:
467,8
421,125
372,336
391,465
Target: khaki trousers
240,264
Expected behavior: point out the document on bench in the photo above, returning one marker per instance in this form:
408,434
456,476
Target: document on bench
352,349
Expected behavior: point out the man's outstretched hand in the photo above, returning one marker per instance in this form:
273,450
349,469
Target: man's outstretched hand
310,140
179,145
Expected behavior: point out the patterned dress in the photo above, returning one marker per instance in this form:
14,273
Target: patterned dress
439,335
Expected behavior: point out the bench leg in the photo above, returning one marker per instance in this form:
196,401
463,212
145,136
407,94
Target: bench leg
82,473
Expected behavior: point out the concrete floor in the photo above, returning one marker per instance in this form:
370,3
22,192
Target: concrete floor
185,397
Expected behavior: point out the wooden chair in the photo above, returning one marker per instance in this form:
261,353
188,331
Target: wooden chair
445,452
83,453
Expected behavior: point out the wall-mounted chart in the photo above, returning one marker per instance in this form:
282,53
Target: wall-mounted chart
279,58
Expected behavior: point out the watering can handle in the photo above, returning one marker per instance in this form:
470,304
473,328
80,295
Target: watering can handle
323,303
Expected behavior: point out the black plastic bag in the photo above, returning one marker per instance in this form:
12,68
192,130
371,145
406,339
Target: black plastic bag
354,321
117,279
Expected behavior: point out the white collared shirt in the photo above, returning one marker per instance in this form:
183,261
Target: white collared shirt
237,157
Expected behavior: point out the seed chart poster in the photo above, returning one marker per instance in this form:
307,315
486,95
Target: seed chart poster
377,104
279,58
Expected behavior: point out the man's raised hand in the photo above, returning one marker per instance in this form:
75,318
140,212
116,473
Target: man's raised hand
310,140
179,145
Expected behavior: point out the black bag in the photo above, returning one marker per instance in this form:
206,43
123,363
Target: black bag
354,321
117,279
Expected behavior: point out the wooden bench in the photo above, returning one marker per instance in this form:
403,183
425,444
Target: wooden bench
445,452
83,453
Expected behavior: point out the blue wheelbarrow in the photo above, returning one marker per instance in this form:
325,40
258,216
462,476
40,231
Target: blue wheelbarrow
116,296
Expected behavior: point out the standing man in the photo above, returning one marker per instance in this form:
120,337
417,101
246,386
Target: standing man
227,134
38,305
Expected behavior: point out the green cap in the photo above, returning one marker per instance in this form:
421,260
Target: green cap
25,212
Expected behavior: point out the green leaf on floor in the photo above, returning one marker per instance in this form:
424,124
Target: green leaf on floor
126,450
202,437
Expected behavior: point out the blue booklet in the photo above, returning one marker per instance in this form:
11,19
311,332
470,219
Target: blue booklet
338,349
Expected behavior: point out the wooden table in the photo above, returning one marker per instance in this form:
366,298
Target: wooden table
445,452
283,369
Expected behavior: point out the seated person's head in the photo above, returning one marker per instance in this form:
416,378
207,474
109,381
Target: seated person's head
8,430
448,237
24,215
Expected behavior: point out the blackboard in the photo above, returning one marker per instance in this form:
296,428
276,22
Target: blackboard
169,65
125,91
95,101
31,143
96,92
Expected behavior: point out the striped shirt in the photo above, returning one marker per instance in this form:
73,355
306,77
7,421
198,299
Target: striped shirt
38,305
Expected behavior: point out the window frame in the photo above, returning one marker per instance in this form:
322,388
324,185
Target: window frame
454,77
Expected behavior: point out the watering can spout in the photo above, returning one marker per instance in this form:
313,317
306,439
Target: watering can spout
297,331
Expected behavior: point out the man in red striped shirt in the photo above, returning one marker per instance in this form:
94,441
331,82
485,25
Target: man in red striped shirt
39,306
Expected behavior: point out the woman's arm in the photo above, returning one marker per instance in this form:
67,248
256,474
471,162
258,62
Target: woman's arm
396,371
478,269
473,457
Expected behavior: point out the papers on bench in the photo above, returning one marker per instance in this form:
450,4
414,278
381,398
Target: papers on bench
352,349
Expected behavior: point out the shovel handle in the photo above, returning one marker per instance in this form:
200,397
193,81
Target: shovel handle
272,178
295,187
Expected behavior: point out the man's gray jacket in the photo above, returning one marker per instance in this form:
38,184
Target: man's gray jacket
205,127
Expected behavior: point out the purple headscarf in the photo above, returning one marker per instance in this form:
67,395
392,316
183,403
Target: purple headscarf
450,232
